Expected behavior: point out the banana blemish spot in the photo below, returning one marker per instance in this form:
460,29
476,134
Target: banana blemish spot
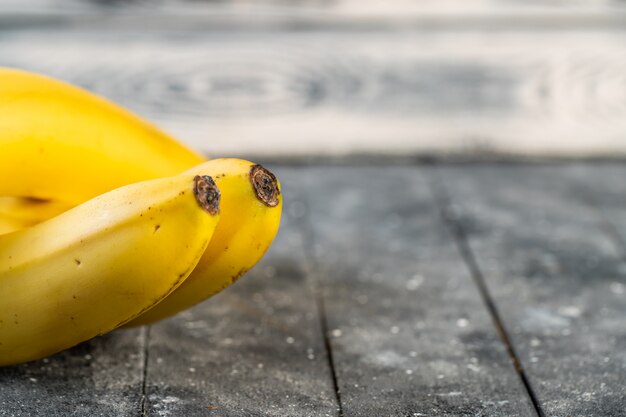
156,227
207,194
265,185
78,262
238,275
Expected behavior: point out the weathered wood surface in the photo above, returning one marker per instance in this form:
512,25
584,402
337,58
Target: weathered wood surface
555,274
409,333
329,78
604,188
365,291
101,377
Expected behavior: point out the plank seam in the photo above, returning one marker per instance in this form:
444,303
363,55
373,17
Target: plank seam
449,217
308,242
329,351
144,400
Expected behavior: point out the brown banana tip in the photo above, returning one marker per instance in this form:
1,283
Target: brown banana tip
265,185
207,194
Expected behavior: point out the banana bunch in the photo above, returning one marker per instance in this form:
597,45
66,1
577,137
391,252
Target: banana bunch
105,221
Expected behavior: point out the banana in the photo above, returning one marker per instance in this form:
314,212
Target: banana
30,211
60,142
18,213
10,224
100,264
250,216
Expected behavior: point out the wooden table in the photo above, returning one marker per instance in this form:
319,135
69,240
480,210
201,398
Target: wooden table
396,286
391,290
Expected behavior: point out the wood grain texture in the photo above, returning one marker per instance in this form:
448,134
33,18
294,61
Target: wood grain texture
334,91
408,331
556,277
253,350
101,377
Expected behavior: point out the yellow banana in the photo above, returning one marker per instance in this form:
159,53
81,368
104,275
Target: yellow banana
251,205
60,142
30,211
11,224
17,213
100,264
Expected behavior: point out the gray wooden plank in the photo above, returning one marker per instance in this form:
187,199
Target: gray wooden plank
409,333
101,377
555,276
602,186
387,92
255,349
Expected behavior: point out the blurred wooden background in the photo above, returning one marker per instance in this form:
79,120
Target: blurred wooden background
337,77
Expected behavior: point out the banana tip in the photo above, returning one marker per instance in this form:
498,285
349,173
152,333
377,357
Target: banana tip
265,185
207,194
